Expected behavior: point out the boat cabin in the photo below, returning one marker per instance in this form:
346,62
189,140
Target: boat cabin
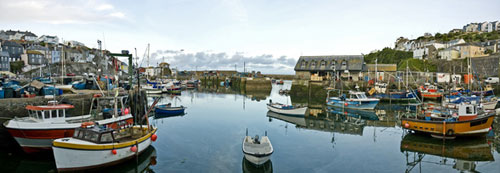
467,112
101,135
51,112
357,95
380,87
94,134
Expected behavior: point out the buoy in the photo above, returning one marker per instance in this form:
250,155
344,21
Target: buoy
490,129
126,111
113,151
407,125
133,149
154,137
345,104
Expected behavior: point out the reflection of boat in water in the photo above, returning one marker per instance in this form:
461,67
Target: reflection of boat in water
250,167
19,162
465,152
299,121
357,113
145,160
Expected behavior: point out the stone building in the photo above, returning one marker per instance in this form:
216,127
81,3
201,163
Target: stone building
327,67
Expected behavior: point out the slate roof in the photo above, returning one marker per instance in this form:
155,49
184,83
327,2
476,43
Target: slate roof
11,44
4,54
337,62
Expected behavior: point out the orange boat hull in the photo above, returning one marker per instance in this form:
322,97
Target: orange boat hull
475,127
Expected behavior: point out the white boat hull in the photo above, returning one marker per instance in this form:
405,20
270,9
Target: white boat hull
78,159
153,91
489,105
296,111
257,160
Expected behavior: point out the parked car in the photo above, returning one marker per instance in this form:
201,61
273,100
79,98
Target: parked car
70,74
492,80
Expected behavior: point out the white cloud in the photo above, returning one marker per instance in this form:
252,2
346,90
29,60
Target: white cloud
105,7
58,12
207,60
117,14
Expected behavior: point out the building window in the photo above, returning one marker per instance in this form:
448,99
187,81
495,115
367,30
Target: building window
313,64
323,64
303,64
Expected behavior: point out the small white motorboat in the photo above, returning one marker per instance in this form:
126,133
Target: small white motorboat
286,109
257,151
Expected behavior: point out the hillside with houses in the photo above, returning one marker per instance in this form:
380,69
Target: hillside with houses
23,52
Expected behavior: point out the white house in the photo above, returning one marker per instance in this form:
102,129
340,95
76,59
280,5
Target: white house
483,27
48,39
449,54
73,43
494,26
471,27
454,42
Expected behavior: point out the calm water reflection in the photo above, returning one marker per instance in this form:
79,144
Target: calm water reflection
208,139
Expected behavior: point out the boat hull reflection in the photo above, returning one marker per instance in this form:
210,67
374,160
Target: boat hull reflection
248,166
465,152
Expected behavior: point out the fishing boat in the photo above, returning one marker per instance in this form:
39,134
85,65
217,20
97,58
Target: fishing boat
280,82
467,120
356,100
488,90
430,92
167,109
286,109
48,122
151,90
258,151
489,102
96,146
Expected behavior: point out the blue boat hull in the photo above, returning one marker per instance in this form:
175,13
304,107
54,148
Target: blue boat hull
352,104
363,114
169,110
400,96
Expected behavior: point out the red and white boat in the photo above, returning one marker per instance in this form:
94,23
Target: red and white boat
430,92
48,122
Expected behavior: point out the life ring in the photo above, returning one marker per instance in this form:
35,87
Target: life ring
85,124
450,132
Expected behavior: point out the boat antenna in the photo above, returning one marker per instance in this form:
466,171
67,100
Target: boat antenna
247,132
266,132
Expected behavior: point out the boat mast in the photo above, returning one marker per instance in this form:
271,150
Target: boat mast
407,70
62,63
376,72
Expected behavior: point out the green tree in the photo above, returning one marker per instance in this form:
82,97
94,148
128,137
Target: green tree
388,56
16,66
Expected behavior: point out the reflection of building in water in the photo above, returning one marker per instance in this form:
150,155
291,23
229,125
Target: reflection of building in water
315,111
465,152
324,122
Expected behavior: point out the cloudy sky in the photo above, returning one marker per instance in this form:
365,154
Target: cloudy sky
269,35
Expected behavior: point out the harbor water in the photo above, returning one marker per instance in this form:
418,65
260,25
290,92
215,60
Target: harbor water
208,138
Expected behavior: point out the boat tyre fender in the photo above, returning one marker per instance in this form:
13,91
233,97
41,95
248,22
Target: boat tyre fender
450,132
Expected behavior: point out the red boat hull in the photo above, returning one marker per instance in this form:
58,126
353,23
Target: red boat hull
35,140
